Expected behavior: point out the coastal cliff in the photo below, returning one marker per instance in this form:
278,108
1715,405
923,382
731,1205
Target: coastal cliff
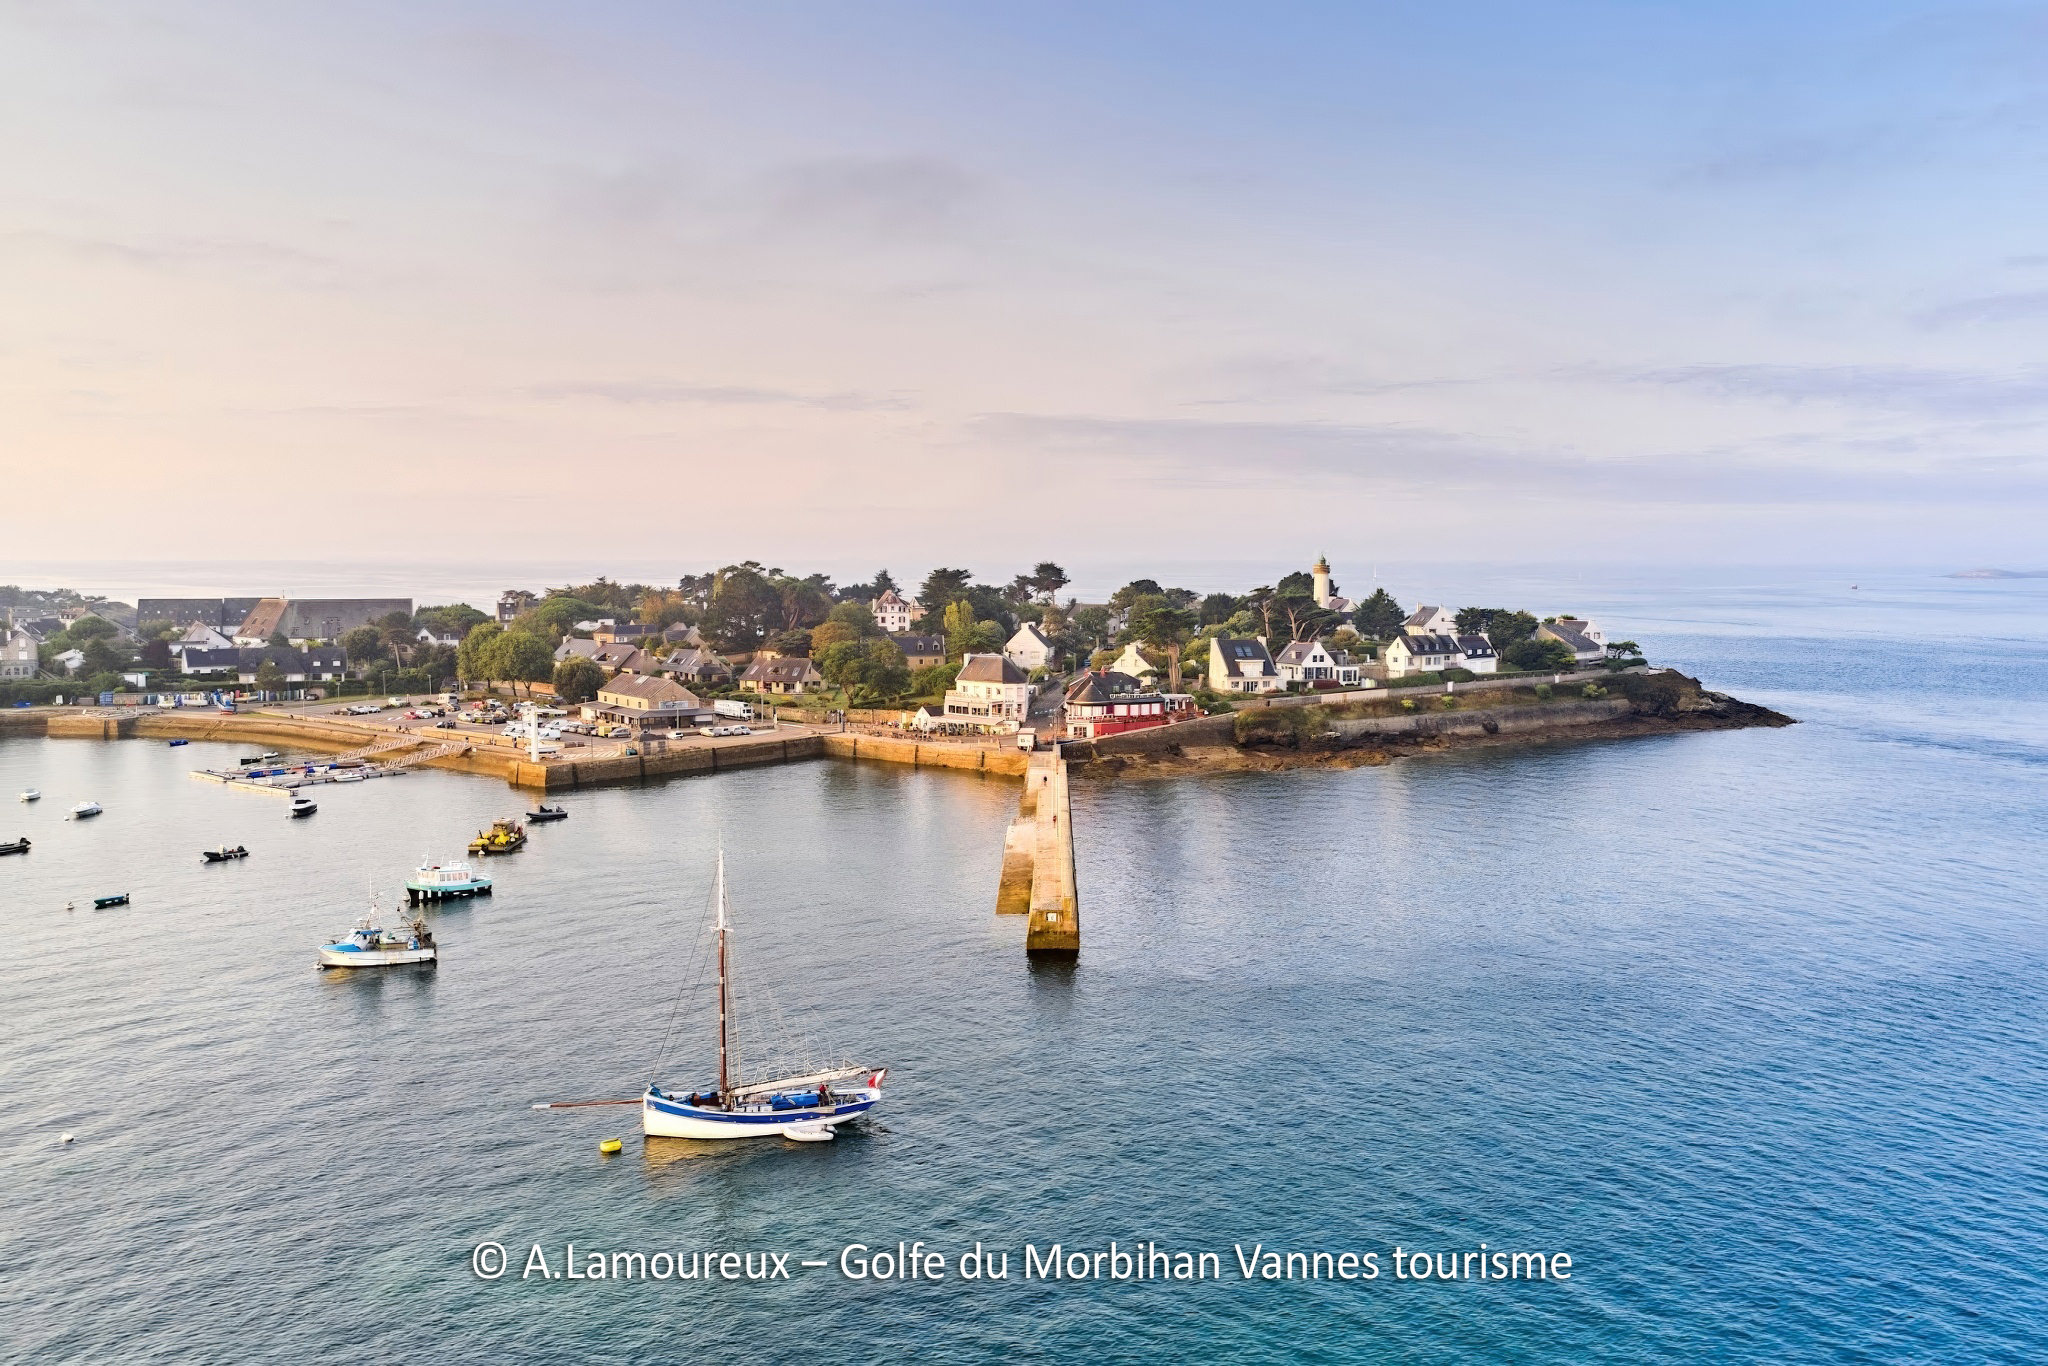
1360,734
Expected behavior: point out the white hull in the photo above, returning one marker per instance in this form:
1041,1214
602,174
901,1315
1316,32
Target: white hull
671,1117
373,958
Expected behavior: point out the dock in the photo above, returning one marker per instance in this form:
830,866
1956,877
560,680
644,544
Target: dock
1037,878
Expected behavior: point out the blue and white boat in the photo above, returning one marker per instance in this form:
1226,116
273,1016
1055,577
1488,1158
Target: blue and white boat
448,881
805,1104
370,945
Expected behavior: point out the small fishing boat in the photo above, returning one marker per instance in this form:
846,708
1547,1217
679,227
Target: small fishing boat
267,755
252,759
175,743
100,903
31,795
545,813
504,837
448,881
223,854
370,945
84,809
805,1104
347,775
302,805
20,846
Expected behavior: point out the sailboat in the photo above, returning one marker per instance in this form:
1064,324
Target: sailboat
805,1106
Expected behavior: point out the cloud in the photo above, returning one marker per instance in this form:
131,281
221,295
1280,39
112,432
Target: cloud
179,253
640,392
1989,308
878,198
1429,462
1894,388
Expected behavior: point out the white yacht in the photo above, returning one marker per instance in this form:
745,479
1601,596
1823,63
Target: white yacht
31,795
84,809
303,805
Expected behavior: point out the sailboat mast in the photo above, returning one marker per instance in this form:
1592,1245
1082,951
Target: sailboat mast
724,1080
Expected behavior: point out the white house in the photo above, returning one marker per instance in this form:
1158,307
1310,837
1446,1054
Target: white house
1240,665
18,655
1430,621
427,637
1585,650
201,636
1478,654
71,660
991,694
893,612
1029,649
1584,628
1308,662
1409,653
1133,662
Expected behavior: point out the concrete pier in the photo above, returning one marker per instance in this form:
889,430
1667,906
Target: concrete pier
1038,862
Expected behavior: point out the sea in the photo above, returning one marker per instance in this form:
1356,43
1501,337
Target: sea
1742,1037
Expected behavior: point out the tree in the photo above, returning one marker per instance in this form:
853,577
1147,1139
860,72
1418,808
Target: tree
942,588
791,643
1539,654
1499,624
268,676
157,654
1379,617
577,679
744,608
965,635
1165,627
477,656
277,641
102,655
523,657
1047,579
1121,600
89,628
450,619
868,670
362,642
1623,649
1217,608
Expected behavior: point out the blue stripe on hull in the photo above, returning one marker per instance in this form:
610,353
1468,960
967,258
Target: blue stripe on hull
773,1117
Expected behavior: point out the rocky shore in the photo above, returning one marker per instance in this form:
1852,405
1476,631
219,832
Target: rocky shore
1357,735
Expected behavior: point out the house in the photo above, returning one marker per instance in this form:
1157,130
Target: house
1326,592
1430,621
201,636
921,652
512,602
648,702
1411,653
773,673
679,634
18,655
893,612
71,660
606,656
694,664
326,663
1309,663
202,661
991,694
221,614
1585,649
624,633
1584,628
1096,706
1478,653
1133,662
305,621
1029,649
291,664
1240,665
428,637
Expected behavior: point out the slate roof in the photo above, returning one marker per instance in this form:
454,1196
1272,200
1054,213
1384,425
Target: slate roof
1580,644
650,688
1296,652
779,669
1245,658
1429,645
1475,647
921,645
991,669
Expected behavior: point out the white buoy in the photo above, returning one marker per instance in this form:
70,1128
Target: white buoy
64,1138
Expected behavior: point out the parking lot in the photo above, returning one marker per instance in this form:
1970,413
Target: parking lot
429,717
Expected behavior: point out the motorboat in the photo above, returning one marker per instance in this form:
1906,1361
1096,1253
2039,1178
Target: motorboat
175,743
805,1104
268,755
504,837
19,846
448,881
84,809
545,813
370,945
100,903
347,775
223,854
31,795
303,805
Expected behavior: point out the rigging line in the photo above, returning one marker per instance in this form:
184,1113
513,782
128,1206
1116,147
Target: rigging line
675,1004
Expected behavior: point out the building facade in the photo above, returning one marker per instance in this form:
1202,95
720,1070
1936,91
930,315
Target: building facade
1240,665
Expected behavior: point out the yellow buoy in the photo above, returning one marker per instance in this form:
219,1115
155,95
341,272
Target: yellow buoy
610,1145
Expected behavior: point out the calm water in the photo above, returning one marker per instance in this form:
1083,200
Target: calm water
1751,1025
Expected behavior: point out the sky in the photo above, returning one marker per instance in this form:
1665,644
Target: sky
837,286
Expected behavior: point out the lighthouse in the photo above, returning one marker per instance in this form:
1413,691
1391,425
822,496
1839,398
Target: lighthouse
1322,577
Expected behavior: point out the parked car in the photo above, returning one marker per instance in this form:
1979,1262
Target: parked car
730,730
444,725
